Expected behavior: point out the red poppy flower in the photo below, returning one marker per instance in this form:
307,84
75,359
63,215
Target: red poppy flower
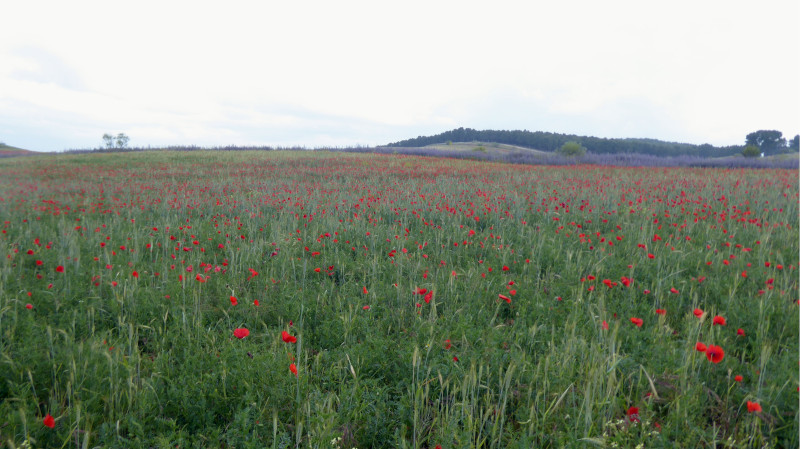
49,421
738,378
740,332
60,268
637,321
234,301
288,338
715,354
633,414
420,291
674,290
428,297
504,298
365,291
241,333
255,302
718,320
28,306
753,407
661,312
365,308
700,347
447,344
293,369
698,312
455,359
604,325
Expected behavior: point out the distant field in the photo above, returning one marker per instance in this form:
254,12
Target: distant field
790,156
6,151
500,148
310,299
484,147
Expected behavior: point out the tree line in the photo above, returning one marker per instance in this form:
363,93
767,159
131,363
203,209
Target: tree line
770,142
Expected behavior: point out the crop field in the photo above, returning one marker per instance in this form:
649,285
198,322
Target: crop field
321,300
485,147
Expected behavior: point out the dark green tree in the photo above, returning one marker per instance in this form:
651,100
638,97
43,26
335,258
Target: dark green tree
794,144
770,141
751,151
572,149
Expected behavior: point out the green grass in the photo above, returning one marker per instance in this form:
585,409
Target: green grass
151,360
484,147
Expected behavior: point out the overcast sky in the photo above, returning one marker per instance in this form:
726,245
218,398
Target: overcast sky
342,72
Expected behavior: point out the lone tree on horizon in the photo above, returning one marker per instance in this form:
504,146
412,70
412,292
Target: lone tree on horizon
122,140
111,142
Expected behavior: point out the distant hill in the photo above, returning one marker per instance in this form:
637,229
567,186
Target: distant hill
9,151
549,142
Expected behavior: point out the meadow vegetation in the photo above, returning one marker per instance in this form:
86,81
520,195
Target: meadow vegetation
338,300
